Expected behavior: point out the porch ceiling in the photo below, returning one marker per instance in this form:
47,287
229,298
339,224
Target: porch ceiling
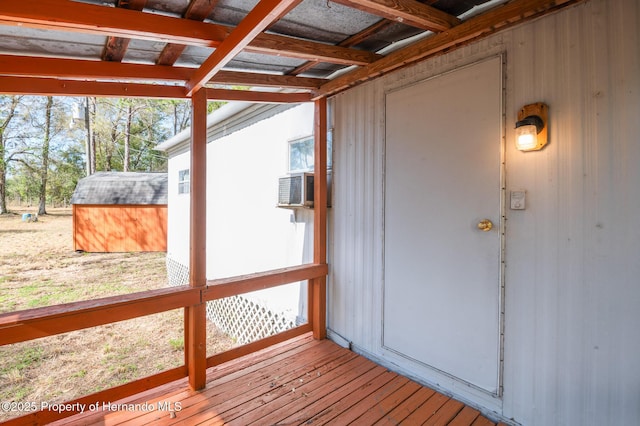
171,48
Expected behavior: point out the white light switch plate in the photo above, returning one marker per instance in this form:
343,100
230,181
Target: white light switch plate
518,200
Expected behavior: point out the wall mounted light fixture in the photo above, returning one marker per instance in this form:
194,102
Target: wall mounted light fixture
531,127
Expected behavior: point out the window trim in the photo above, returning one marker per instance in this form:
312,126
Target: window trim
184,186
304,139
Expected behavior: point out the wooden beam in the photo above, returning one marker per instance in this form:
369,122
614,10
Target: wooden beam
348,42
366,33
227,287
170,53
116,47
198,10
355,39
273,44
198,191
32,324
56,87
477,27
409,12
66,15
257,97
196,327
132,4
260,17
265,80
318,286
27,66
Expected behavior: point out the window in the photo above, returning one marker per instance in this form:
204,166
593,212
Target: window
183,181
301,154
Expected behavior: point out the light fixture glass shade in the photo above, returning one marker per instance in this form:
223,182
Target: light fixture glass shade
526,137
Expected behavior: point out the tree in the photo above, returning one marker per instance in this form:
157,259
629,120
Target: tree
42,158
39,135
127,141
67,168
44,168
8,110
180,111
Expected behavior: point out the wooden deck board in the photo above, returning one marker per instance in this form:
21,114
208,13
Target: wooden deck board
301,381
428,409
465,417
402,411
297,395
257,384
382,408
328,413
445,414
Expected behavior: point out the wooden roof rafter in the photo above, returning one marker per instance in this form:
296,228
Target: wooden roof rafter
260,17
198,10
410,12
355,39
82,69
61,87
59,68
116,47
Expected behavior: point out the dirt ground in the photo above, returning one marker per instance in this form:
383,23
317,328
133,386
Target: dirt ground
38,267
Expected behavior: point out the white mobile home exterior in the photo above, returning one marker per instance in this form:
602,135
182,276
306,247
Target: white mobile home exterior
571,296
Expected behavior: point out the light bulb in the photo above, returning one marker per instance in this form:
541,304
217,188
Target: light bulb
526,137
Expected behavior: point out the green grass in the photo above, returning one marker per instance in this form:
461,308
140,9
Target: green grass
80,374
29,290
26,358
15,393
43,300
177,344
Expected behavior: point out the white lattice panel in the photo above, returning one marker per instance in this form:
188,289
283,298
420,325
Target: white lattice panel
241,318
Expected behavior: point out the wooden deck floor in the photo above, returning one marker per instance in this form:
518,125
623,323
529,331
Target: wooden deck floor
301,381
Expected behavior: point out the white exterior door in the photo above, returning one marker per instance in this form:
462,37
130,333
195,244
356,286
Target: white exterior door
443,177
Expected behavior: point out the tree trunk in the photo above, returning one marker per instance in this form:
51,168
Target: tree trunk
15,100
3,180
44,169
91,103
127,142
110,148
87,127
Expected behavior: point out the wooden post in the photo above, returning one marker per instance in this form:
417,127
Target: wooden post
318,286
195,316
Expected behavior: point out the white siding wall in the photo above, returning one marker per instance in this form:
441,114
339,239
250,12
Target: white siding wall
572,342
246,232
178,211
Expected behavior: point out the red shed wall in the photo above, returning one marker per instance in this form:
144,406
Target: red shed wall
100,228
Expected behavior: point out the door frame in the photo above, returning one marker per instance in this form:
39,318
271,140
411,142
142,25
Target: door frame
395,356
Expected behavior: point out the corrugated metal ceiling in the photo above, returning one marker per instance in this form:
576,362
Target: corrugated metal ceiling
299,43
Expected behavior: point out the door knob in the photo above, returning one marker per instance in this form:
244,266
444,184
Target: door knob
485,225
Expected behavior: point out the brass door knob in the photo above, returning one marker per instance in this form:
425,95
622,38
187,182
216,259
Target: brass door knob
485,225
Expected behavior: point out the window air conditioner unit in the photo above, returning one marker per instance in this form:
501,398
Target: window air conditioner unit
296,190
